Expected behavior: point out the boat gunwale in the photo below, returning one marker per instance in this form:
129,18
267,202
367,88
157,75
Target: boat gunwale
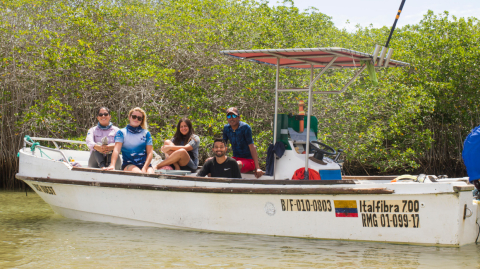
202,189
220,179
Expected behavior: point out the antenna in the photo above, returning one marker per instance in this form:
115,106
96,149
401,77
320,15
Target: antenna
395,23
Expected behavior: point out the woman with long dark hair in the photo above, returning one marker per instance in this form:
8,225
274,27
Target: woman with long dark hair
182,150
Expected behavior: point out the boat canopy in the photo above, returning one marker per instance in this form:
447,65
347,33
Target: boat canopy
305,58
315,58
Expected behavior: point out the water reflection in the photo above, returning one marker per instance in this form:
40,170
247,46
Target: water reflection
32,236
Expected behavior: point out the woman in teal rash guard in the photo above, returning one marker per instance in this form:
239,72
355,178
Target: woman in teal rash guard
135,143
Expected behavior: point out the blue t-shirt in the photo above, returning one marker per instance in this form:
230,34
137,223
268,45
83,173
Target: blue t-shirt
135,142
240,139
471,154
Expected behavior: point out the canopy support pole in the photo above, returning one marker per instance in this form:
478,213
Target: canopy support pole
346,85
309,111
276,116
321,72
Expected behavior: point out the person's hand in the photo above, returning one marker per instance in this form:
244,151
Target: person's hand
109,168
144,169
258,173
104,149
166,148
97,148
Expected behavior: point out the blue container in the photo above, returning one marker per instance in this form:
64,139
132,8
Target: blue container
330,174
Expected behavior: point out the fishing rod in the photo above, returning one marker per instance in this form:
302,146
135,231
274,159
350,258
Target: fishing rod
395,23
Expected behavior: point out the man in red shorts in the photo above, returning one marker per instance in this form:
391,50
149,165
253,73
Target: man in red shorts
240,136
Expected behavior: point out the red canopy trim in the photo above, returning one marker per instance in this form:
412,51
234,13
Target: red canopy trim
303,58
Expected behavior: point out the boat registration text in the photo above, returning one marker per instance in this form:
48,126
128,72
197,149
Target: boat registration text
390,213
306,205
45,189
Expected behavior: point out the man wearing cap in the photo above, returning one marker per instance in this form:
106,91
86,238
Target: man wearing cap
240,136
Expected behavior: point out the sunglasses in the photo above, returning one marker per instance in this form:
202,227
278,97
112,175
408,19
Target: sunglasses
231,116
135,117
102,114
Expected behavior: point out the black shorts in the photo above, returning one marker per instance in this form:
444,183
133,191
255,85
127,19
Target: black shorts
189,167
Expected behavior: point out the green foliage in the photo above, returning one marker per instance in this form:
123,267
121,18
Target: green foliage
52,116
444,51
381,127
74,146
61,59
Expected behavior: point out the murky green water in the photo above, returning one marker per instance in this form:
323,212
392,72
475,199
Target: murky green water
33,236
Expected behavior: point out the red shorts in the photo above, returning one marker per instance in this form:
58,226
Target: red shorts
247,164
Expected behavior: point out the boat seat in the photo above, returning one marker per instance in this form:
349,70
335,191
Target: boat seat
287,125
174,172
251,172
301,138
83,163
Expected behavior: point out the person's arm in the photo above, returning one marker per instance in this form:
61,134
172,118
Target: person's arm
167,148
119,139
116,152
93,146
149,149
111,146
90,139
225,136
194,143
205,169
253,151
258,172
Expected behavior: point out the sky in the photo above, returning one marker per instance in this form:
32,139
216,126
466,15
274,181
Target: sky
382,12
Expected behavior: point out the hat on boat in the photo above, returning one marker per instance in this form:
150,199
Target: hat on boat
233,110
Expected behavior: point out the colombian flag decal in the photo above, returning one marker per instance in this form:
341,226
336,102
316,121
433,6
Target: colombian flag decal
346,208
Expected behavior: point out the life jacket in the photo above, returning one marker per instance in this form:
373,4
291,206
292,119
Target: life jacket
300,174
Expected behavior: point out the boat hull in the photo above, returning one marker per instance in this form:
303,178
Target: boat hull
343,211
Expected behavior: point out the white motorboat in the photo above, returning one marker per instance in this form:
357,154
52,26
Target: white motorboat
412,211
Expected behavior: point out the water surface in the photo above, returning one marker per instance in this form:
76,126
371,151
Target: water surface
33,236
